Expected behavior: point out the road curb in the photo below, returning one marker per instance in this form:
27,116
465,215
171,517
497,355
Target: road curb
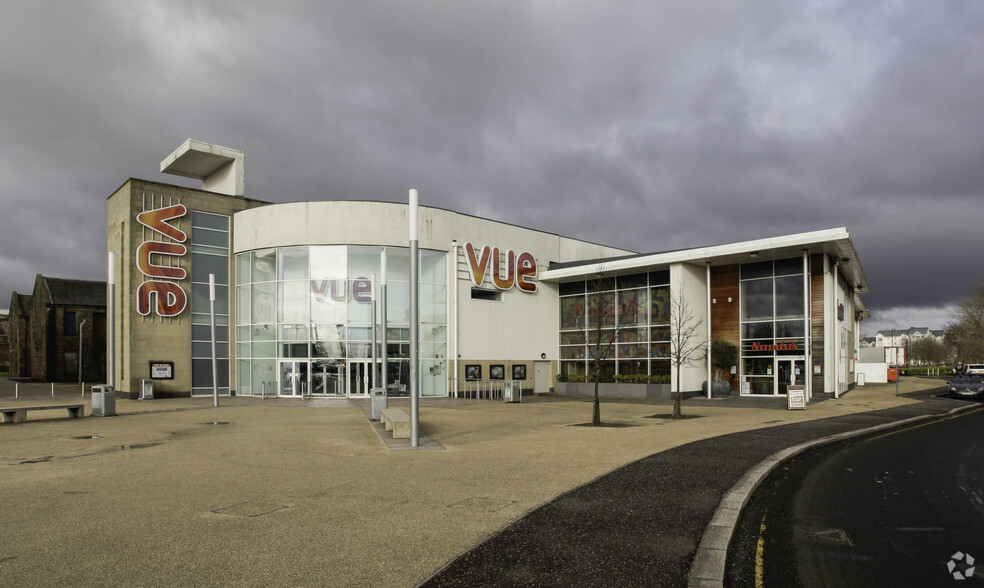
708,567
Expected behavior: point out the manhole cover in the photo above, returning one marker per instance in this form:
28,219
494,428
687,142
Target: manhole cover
249,509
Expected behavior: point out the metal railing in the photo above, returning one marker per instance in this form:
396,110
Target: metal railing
483,389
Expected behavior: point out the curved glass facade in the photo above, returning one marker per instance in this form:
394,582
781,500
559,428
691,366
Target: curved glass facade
304,320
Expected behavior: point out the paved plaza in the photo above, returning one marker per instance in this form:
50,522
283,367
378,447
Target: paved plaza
307,492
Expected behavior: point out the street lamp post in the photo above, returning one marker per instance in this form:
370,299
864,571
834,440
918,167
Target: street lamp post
81,324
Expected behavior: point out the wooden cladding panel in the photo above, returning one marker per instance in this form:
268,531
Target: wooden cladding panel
725,316
816,320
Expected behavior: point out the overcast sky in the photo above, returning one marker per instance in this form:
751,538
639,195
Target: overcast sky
649,125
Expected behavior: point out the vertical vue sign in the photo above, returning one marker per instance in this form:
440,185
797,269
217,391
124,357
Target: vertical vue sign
158,292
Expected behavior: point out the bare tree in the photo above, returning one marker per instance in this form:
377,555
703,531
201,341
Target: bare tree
966,334
600,334
928,351
687,345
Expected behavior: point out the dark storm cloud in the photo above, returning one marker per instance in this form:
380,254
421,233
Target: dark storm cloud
644,125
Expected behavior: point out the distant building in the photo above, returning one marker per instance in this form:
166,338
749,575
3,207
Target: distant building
4,337
46,329
18,330
902,337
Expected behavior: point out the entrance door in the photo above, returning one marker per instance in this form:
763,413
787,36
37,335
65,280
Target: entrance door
293,378
327,378
541,377
790,372
359,379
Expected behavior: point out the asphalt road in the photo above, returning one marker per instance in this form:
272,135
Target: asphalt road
888,509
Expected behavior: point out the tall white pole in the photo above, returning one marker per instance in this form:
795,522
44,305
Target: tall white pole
81,324
111,314
373,378
710,359
414,326
215,362
383,338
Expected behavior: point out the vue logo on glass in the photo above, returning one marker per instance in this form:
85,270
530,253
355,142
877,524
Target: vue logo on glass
519,271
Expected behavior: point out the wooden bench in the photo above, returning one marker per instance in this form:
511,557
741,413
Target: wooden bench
396,420
18,414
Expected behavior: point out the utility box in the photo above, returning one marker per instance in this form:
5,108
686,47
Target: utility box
103,400
146,389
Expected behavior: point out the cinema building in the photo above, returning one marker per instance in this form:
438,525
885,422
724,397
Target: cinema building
497,302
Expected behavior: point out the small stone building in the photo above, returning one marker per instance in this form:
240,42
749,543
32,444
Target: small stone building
50,327
18,329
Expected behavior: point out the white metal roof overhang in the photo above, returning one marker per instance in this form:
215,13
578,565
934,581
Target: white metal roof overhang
833,242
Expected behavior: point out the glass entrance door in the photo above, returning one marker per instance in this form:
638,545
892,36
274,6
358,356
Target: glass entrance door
359,379
328,378
791,372
293,378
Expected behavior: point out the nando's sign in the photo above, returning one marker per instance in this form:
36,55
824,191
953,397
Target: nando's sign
756,346
159,292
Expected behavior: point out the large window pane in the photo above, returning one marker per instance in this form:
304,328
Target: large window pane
328,263
756,298
364,261
433,268
398,264
632,281
790,329
264,376
633,308
264,303
789,297
265,265
242,268
761,330
601,309
294,302
789,266
202,265
572,313
761,269
293,264
660,305
433,298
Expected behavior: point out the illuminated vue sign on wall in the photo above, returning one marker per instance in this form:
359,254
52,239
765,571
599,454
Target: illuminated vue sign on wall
169,296
520,271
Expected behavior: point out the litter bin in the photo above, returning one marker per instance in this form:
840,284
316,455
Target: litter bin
893,375
511,392
103,400
377,402
146,389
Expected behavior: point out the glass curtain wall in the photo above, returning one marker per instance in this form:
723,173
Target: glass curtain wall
772,323
304,324
633,314
209,255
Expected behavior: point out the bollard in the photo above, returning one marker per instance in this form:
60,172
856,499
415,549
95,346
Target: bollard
16,390
52,389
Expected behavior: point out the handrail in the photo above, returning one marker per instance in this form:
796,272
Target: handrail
484,389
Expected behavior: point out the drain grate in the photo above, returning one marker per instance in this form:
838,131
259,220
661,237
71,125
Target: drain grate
249,509
88,437
216,423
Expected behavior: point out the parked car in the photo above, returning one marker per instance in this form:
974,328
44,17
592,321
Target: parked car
975,369
966,386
